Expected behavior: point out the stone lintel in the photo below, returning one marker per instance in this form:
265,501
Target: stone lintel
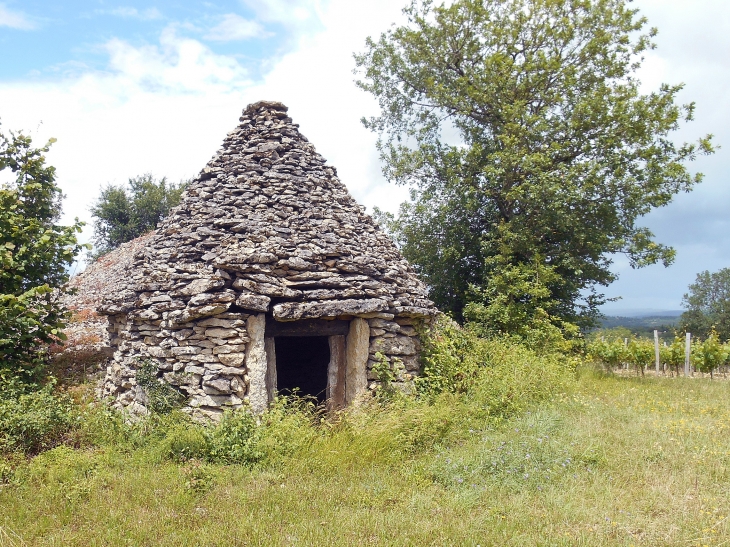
294,311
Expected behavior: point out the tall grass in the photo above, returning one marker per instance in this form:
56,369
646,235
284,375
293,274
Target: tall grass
161,480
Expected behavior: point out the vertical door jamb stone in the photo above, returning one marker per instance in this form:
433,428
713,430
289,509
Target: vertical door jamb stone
271,380
336,373
356,359
256,363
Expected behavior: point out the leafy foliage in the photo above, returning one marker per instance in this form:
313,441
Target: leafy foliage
162,398
712,353
35,253
705,355
236,439
708,305
34,421
458,360
122,214
530,150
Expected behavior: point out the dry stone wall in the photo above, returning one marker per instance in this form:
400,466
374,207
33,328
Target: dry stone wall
266,229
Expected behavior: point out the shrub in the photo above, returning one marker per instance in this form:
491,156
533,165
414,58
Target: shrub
124,213
239,438
235,439
35,421
448,358
35,253
184,441
287,427
504,374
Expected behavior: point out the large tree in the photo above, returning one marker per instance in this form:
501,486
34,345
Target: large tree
530,150
124,213
35,254
708,305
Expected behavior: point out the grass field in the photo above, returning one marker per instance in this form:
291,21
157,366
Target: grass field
611,461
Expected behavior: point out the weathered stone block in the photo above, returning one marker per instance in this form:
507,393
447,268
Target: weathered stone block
398,345
229,348
356,358
220,333
217,385
222,323
254,302
231,359
256,363
188,314
200,286
184,350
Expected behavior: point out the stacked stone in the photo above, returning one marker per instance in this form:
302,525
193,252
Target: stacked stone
266,227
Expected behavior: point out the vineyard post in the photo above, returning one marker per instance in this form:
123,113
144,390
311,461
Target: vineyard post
656,351
626,345
687,349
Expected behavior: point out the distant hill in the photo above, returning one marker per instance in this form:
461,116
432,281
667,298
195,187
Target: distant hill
644,326
640,323
641,312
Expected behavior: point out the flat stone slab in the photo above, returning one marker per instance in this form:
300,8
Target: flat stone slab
294,311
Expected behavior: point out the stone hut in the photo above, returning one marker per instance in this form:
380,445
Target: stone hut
267,277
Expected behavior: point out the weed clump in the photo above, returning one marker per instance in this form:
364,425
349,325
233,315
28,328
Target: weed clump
504,375
161,397
33,421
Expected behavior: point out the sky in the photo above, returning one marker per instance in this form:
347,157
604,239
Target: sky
129,88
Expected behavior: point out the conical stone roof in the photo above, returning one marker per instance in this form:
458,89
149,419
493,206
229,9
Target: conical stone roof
267,226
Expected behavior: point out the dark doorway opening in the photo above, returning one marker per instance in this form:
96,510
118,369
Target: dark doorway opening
301,364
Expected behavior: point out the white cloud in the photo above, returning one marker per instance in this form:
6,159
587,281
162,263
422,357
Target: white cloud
291,12
14,19
177,66
159,108
234,27
692,43
128,12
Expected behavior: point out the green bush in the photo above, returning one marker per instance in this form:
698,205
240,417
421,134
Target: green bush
288,427
35,421
240,437
236,439
35,255
513,377
448,358
185,441
124,213
457,360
